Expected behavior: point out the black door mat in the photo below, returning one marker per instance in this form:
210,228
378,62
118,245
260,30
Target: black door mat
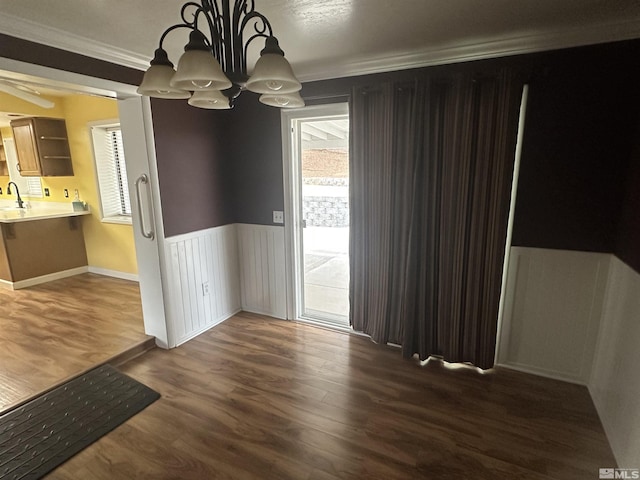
45,432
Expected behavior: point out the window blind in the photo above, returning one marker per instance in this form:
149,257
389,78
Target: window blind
112,172
34,187
115,135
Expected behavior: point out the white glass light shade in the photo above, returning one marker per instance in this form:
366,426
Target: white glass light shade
285,100
156,83
273,74
211,99
199,70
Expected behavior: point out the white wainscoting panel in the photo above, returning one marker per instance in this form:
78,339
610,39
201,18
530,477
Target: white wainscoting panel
197,260
615,380
262,269
552,312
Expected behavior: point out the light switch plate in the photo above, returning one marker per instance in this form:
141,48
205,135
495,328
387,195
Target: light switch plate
278,216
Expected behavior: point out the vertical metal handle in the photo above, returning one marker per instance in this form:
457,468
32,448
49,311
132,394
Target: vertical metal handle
144,179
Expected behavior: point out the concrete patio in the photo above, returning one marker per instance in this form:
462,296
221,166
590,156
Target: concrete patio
326,273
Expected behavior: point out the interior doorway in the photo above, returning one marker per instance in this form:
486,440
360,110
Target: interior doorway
60,328
134,113
317,169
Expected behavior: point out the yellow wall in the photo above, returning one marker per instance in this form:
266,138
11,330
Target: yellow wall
11,104
109,246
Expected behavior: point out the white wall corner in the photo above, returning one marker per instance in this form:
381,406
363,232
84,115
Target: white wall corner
214,273
261,253
552,314
614,383
203,287
133,277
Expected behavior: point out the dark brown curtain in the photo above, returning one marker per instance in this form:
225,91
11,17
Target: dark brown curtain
431,170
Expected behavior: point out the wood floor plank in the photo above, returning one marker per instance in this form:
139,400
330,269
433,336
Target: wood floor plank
56,330
259,398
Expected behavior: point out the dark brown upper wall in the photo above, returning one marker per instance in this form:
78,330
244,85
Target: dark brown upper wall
581,111
571,189
195,184
218,166
255,159
577,138
628,238
254,146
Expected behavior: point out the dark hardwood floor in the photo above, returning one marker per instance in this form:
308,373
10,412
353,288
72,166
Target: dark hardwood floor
57,330
259,398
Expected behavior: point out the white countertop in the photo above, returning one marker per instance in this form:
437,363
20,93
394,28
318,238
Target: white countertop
11,215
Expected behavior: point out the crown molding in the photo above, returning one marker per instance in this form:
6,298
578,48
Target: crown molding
54,37
477,50
444,54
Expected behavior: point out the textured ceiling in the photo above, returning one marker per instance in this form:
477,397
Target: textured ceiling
331,38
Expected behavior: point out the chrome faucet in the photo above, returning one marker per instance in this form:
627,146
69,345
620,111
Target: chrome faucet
19,201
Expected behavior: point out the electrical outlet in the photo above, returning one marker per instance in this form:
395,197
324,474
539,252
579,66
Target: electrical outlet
47,193
205,288
66,193
0,190
278,216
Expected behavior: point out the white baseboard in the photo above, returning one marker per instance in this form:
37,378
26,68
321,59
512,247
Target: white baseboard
114,273
541,373
208,327
268,313
43,279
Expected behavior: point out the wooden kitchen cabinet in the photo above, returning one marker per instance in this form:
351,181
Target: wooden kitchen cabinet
42,146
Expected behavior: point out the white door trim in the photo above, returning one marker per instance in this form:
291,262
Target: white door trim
137,136
505,293
292,206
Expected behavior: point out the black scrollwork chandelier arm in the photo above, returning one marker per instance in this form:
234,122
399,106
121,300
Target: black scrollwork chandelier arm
212,71
226,29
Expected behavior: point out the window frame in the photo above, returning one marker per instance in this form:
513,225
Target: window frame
102,127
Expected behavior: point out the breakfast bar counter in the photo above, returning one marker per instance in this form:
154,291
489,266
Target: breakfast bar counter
40,244
10,215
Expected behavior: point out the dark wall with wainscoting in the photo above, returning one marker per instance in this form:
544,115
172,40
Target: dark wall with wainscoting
578,185
580,175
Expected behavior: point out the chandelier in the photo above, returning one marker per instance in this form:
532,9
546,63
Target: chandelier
212,71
